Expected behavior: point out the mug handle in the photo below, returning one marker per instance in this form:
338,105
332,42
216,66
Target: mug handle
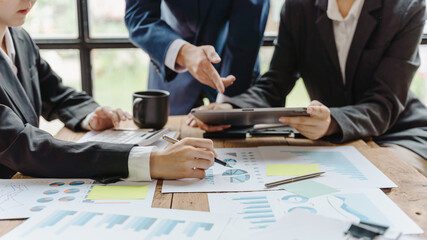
136,108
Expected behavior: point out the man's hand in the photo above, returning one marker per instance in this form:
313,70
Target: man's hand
198,61
318,125
105,117
188,158
194,122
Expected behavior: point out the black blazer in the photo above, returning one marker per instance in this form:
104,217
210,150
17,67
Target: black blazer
38,91
383,58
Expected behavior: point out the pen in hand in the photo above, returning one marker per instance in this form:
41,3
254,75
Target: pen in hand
173,141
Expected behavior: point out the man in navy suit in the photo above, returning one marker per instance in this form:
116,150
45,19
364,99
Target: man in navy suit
198,46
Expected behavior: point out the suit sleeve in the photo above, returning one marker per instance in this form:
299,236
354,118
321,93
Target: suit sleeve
271,89
149,32
380,107
33,152
246,31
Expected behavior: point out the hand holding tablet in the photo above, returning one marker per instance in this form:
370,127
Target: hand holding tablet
247,116
220,116
314,122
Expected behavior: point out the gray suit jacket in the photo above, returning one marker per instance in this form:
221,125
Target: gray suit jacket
383,58
38,91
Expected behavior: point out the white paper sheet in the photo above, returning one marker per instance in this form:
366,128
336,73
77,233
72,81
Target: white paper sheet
300,225
254,211
110,223
26,197
345,168
244,176
22,198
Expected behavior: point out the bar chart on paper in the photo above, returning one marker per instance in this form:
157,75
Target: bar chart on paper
257,210
86,224
345,167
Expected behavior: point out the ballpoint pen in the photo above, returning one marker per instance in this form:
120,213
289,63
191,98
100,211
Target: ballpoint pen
173,140
293,179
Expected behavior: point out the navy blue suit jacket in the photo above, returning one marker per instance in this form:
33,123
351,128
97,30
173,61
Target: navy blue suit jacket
234,27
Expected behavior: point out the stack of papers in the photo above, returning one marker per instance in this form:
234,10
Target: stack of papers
318,208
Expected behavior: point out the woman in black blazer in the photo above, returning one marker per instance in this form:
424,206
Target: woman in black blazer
366,96
29,88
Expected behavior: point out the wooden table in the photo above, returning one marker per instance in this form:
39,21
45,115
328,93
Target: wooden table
410,196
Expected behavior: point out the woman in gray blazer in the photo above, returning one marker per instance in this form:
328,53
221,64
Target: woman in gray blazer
357,59
29,88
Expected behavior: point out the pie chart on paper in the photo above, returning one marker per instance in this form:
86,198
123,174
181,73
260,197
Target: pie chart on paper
66,199
76,183
56,184
71,190
236,175
45,200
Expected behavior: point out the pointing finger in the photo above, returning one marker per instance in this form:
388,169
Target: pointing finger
211,54
214,77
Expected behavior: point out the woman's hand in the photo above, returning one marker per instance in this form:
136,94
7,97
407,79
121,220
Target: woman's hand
318,125
106,117
192,121
188,158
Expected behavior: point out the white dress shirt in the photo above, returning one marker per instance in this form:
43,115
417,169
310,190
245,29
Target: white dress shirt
344,29
10,55
139,157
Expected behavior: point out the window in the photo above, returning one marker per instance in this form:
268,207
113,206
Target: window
66,63
87,43
115,81
44,22
106,19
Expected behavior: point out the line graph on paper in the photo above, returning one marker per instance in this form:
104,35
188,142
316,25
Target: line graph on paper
9,196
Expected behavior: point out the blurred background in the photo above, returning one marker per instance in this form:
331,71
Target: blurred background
86,43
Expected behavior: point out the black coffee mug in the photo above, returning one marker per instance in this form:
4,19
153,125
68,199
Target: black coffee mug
151,108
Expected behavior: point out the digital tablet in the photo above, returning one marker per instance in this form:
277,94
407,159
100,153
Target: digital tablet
247,116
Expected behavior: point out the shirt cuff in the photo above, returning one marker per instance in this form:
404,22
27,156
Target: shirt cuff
221,98
139,164
172,54
85,123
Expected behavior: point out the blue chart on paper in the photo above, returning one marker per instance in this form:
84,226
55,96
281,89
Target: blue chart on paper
308,209
295,199
56,184
45,200
360,206
72,190
331,161
230,161
256,211
51,191
209,177
62,220
236,175
37,208
66,199
76,183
